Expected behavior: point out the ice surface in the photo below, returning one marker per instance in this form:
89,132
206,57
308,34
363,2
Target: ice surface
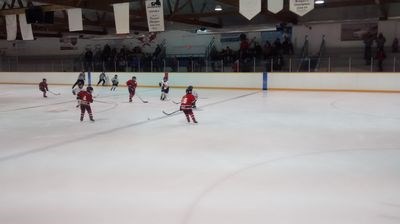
255,157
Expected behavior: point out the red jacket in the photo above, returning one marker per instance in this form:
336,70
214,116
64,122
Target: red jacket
43,86
187,101
131,84
85,97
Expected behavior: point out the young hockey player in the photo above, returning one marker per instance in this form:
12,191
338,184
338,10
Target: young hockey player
132,84
102,78
186,105
81,79
76,91
164,88
86,99
114,82
43,87
194,93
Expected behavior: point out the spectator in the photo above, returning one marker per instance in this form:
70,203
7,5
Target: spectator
88,59
395,45
380,56
287,46
174,64
368,41
380,41
244,46
277,46
267,50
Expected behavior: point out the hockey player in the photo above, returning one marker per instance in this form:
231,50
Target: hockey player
114,82
76,91
186,105
132,84
102,78
164,88
194,93
81,79
86,99
43,87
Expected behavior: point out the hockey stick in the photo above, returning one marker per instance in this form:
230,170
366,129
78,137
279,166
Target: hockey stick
54,93
144,101
170,113
175,102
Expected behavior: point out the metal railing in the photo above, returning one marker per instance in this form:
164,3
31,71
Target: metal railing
200,64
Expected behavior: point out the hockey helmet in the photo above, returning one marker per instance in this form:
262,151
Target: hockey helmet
89,89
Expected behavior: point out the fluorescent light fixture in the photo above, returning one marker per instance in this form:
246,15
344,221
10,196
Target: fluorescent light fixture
218,8
319,2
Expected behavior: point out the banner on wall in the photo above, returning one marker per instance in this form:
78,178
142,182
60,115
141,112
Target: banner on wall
121,17
249,8
358,31
230,37
75,21
275,6
26,29
11,25
301,7
69,43
155,15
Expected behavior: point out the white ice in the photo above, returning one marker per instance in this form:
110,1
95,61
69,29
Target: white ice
254,158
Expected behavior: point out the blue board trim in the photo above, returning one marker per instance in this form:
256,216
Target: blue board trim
265,81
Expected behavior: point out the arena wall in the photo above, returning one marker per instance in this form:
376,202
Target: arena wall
257,81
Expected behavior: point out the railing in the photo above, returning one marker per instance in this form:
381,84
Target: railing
196,63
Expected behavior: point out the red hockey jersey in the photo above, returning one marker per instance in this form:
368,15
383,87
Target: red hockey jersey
85,97
187,101
131,84
43,86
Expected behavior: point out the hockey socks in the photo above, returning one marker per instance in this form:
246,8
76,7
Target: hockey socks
188,116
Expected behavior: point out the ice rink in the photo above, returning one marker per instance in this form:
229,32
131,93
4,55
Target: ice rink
277,157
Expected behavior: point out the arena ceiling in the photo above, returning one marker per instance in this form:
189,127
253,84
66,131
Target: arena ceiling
191,14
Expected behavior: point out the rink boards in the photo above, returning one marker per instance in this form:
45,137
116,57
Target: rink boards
388,82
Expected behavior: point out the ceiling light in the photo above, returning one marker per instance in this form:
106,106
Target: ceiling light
319,2
218,8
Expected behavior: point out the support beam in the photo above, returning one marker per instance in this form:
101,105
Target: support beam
195,22
46,8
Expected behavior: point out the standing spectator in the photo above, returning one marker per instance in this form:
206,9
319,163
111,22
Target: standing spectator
43,87
132,84
174,64
368,41
380,41
287,46
102,78
277,46
244,46
229,54
88,60
81,79
380,56
395,45
267,50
